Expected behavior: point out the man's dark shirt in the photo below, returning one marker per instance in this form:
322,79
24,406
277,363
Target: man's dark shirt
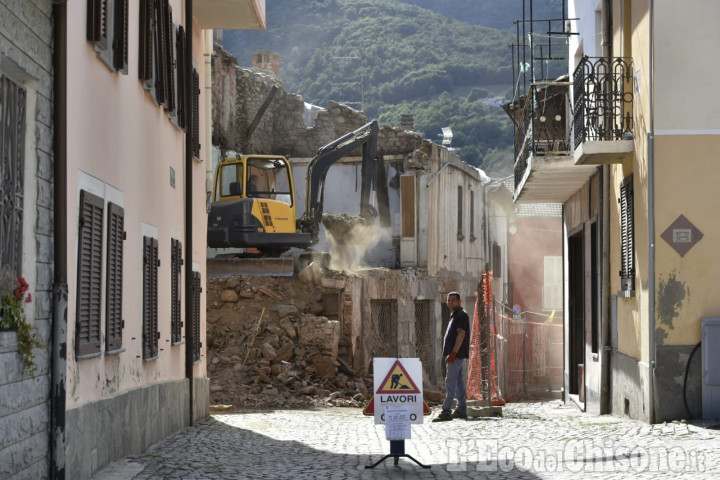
458,321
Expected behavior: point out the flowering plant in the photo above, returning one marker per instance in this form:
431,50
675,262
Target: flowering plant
12,317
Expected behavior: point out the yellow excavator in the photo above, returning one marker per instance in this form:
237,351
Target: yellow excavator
253,200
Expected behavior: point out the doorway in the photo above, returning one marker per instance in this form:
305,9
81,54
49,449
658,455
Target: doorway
576,323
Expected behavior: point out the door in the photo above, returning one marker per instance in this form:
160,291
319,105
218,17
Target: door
576,310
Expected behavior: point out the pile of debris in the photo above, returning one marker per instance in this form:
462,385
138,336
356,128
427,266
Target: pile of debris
270,346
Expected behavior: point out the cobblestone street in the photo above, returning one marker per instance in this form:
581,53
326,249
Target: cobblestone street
531,441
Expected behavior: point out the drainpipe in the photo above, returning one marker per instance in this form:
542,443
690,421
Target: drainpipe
566,313
605,353
209,49
651,223
189,296
58,340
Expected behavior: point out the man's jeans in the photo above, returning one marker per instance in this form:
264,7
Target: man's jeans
455,381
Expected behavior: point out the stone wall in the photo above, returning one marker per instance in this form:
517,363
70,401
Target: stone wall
239,93
129,423
26,57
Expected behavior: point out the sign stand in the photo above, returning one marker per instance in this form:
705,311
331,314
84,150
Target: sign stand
397,450
397,402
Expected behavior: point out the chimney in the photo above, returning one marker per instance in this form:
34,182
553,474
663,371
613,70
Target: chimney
266,60
407,122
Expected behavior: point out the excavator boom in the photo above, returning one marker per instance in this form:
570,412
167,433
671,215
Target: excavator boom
365,136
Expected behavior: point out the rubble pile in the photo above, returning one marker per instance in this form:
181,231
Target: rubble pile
270,346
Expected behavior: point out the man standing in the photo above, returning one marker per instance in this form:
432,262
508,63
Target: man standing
456,350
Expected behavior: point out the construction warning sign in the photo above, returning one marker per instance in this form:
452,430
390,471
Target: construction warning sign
397,382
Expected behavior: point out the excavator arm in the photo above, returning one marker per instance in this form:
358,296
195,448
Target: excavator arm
365,136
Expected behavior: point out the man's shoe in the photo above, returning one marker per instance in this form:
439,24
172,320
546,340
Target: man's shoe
459,414
443,417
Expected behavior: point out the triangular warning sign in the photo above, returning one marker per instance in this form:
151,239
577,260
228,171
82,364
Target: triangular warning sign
370,407
397,380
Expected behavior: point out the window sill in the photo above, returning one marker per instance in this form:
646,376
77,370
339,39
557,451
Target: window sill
460,237
626,294
115,352
175,344
87,356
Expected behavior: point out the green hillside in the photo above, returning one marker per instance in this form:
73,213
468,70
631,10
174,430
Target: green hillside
394,58
491,13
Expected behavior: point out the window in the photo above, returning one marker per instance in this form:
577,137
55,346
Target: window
176,263
107,30
114,323
100,257
151,263
181,75
269,178
156,54
196,343
195,113
163,67
552,293
472,215
497,260
383,334
89,271
12,171
460,235
407,205
627,238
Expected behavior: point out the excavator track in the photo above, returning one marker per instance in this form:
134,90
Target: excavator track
286,265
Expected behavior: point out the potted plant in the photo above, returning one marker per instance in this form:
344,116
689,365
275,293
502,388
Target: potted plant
14,297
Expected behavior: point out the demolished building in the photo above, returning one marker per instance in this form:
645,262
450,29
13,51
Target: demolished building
388,302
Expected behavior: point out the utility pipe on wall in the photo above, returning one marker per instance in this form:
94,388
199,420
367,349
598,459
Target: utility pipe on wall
189,166
651,223
58,343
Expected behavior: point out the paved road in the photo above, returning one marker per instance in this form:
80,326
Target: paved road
531,441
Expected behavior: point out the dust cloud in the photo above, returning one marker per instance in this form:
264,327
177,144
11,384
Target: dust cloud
351,239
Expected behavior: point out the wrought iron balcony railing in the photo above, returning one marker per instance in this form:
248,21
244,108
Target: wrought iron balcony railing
541,124
603,99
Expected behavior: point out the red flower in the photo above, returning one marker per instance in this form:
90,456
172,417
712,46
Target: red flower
21,288
29,298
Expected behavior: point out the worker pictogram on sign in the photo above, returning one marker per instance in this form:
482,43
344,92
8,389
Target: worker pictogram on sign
398,380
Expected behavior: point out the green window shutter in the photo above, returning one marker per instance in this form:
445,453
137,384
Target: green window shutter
97,23
150,298
181,73
197,290
169,60
120,36
89,271
627,235
196,113
114,277
176,298
145,51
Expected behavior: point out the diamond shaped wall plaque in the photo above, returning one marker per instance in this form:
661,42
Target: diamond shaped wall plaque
682,235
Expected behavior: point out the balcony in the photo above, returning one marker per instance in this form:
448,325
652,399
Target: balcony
230,14
545,169
603,111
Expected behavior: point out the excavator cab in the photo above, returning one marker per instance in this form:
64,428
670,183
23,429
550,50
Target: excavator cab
253,201
253,205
